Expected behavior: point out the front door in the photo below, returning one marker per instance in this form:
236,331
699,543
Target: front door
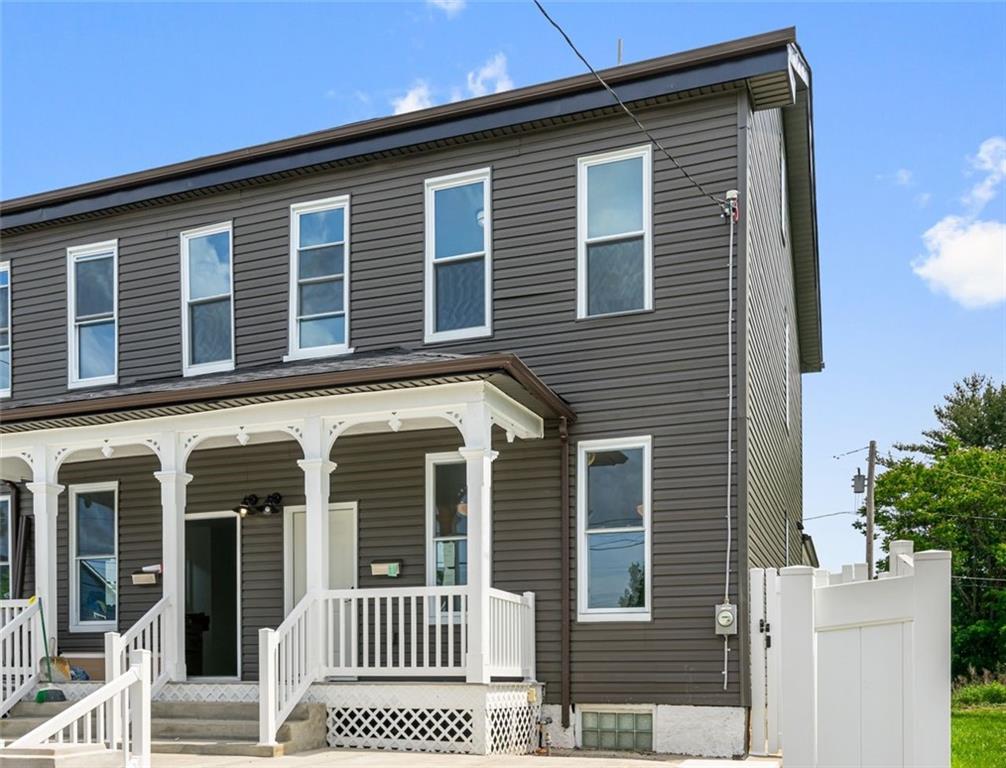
212,603
341,550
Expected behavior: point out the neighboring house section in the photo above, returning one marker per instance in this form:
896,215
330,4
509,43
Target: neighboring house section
479,351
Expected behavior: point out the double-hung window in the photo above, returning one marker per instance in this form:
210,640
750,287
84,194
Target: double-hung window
614,249
94,551
613,530
446,520
6,545
5,330
458,256
92,272
319,278
207,300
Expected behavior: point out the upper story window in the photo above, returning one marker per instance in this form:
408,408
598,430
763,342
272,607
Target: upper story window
207,300
5,330
613,530
94,550
319,278
6,545
93,343
446,520
614,255
458,256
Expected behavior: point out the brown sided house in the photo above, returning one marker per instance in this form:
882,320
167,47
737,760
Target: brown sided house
424,419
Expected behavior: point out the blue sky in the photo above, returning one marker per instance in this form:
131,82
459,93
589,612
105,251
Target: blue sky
909,102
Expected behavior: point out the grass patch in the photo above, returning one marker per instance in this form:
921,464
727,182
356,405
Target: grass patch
978,737
979,694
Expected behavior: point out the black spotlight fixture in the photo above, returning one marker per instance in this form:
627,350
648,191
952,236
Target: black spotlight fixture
273,504
248,505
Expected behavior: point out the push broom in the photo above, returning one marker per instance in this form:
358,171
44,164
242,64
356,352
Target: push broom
47,692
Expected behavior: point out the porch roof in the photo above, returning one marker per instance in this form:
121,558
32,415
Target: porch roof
369,372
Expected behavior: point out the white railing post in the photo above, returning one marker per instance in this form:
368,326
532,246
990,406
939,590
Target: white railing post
266,686
931,648
528,652
139,709
799,673
113,668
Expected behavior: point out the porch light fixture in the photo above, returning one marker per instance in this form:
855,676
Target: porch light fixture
250,505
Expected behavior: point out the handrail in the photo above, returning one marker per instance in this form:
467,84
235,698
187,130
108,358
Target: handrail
287,667
10,609
20,641
148,633
511,638
86,721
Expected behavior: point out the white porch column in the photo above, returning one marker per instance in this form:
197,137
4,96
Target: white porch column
45,505
479,457
317,489
173,479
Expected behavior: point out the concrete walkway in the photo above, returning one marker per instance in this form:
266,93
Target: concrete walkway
357,758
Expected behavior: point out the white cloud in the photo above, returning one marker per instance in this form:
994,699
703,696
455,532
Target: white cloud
451,7
923,199
966,259
991,161
417,97
491,76
903,177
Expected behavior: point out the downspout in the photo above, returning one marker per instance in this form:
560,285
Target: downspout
564,624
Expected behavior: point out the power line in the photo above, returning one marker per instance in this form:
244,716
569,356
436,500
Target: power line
980,578
849,453
941,516
722,204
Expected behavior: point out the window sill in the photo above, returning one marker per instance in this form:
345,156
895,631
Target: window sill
92,627
102,381
461,334
593,618
200,370
316,352
607,315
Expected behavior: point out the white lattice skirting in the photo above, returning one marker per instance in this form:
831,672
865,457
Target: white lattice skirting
499,718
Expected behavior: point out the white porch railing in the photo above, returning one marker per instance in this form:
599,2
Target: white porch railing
511,640
89,720
20,650
148,634
398,632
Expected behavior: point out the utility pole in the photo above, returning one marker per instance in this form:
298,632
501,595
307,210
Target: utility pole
871,474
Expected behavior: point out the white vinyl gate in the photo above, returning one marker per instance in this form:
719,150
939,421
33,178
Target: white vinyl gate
865,672
765,625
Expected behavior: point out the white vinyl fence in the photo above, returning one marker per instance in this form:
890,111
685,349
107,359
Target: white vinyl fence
865,673
20,650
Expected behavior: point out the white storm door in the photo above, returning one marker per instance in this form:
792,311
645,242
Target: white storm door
342,551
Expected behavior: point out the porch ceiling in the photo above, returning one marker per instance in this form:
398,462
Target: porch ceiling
372,372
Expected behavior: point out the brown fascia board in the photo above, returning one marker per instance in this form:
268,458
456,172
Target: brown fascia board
509,364
721,51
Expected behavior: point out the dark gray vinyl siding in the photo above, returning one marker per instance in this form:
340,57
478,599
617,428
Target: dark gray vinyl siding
661,373
775,458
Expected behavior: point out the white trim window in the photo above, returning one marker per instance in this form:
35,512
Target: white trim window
613,514
458,273
614,232
92,318
94,557
207,300
319,278
446,520
6,331
6,544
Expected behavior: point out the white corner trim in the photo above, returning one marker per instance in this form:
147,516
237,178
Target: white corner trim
217,366
76,625
5,269
431,186
644,151
583,613
74,254
294,350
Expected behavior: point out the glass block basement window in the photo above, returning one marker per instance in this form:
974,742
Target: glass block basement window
617,730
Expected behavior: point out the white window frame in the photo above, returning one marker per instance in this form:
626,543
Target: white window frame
188,368
583,613
785,373
73,255
582,165
295,351
9,498
5,268
783,191
76,625
432,461
432,335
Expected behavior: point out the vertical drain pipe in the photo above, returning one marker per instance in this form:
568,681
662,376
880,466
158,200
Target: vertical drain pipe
564,602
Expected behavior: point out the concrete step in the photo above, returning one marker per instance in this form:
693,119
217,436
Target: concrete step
61,756
211,747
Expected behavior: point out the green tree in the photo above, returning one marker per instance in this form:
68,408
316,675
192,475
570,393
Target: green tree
954,497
